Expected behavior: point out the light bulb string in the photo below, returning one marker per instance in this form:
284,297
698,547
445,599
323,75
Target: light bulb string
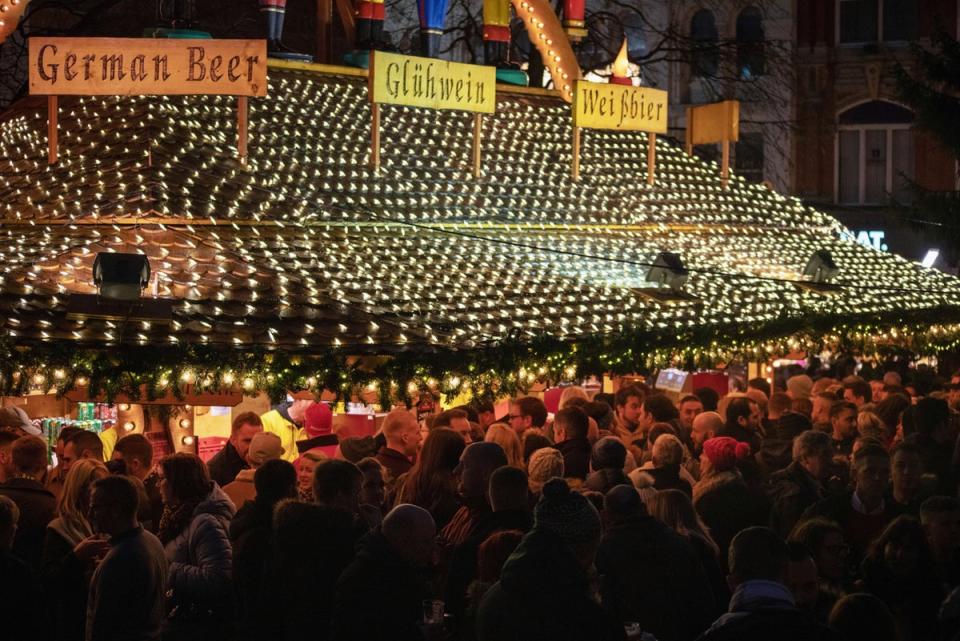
636,263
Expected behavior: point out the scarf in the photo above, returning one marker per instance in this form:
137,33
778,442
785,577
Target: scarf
306,495
175,519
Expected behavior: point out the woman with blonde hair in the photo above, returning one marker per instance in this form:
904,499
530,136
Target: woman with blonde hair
674,509
70,549
572,392
305,466
505,436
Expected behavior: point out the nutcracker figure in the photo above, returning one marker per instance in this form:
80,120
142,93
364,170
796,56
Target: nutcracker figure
370,16
573,19
274,12
496,32
432,16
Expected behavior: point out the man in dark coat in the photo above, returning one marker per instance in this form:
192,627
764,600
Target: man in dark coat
650,574
544,591
21,598
743,422
570,428
510,504
762,606
227,463
36,503
477,463
402,435
865,511
126,601
800,485
380,595
251,534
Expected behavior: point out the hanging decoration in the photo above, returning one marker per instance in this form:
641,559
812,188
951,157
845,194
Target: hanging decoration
508,368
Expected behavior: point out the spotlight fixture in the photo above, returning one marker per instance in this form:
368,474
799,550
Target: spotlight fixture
821,268
668,271
121,276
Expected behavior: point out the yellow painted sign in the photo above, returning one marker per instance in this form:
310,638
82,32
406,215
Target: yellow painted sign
714,122
432,83
620,107
147,66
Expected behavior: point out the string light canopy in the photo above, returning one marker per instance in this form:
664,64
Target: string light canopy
304,267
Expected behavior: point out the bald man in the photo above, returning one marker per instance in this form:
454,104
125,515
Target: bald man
706,425
380,595
402,434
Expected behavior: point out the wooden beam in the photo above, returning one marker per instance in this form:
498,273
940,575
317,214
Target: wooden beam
349,20
575,162
52,115
324,53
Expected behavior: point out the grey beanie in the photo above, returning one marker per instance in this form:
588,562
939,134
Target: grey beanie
568,515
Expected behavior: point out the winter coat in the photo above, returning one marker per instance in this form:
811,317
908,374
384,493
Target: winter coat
37,508
576,457
251,536
394,462
544,595
379,596
664,478
312,546
766,617
604,480
727,505
66,582
226,464
126,592
791,491
241,489
21,602
858,530
277,421
914,602
776,451
463,563
201,557
652,575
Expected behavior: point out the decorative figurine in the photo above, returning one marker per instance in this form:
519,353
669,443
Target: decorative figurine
275,11
370,15
432,16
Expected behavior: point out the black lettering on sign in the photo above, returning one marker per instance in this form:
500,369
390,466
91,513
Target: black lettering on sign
138,68
112,67
160,71
47,70
195,69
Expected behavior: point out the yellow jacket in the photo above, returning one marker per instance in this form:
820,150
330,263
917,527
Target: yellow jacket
275,423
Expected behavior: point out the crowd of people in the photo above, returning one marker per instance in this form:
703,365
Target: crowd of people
825,510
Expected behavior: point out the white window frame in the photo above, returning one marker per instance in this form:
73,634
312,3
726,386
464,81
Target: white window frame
862,169
879,39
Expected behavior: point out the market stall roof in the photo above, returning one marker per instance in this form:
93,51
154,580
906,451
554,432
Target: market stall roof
305,248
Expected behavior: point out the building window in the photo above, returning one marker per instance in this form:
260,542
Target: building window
874,154
705,56
862,21
751,58
748,157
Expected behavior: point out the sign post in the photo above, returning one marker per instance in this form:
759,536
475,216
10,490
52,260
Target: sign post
619,108
432,84
147,67
717,122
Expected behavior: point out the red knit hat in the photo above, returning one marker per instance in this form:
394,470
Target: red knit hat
724,452
318,420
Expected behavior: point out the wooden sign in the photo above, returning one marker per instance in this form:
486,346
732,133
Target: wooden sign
717,122
432,84
707,124
619,108
147,66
